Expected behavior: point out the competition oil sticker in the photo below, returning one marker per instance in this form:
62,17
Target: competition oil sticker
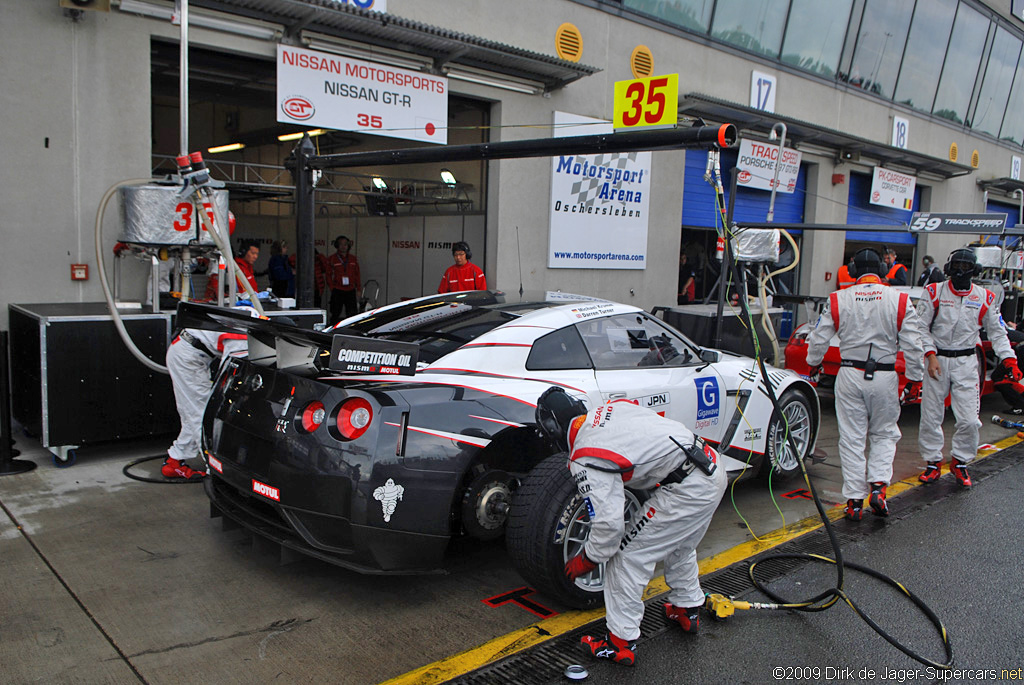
352,354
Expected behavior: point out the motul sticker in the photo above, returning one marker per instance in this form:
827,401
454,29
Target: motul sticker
267,491
215,463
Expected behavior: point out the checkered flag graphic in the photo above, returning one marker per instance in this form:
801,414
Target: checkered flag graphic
585,190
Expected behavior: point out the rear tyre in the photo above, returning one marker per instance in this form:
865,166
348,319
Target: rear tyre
547,526
780,459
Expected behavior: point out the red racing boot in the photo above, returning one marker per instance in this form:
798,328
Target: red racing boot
959,469
687,617
173,468
877,499
610,647
932,471
854,509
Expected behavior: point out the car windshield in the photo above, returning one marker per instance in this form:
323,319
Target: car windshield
439,325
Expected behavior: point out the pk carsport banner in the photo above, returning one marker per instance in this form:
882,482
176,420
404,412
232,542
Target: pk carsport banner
599,203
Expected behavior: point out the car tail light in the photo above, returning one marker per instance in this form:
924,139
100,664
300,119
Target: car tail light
353,418
312,416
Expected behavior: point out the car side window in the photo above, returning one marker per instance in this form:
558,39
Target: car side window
561,349
631,340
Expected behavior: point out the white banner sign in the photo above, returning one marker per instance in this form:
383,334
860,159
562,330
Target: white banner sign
892,189
318,89
756,166
599,203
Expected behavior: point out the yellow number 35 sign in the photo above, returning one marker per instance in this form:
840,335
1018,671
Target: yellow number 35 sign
647,102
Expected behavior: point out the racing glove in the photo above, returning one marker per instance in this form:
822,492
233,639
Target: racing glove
814,373
578,566
1013,373
911,392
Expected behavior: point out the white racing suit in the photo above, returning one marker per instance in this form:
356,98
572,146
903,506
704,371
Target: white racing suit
621,435
875,321
952,320
189,366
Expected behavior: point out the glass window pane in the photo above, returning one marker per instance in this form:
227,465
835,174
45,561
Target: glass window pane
960,70
926,46
754,25
814,37
1013,122
995,89
691,14
879,48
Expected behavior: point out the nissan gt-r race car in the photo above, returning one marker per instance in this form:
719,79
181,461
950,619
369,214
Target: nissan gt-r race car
374,443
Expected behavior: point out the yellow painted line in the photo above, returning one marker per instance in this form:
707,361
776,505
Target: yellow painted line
542,631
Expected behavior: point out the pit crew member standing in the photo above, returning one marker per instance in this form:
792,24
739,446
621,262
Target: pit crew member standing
953,312
188,363
871,320
344,279
463,274
621,444
897,274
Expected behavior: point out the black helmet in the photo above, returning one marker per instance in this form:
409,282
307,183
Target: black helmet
555,411
462,246
866,261
962,262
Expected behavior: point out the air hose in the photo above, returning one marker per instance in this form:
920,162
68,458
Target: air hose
722,606
164,481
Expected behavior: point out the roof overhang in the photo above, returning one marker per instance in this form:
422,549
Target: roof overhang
1005,184
846,146
439,49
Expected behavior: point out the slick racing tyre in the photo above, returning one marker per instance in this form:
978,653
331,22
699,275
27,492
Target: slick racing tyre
547,526
780,459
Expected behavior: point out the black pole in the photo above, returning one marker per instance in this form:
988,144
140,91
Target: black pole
298,164
8,464
726,260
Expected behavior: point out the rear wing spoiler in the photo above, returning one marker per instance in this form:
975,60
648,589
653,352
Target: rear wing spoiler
302,351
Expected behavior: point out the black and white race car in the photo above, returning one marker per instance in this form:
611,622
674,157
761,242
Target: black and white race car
372,444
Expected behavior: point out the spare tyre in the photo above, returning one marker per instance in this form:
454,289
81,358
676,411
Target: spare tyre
548,525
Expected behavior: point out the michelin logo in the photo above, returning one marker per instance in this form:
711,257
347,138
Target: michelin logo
709,406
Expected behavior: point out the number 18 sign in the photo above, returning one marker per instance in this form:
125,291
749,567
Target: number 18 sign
647,102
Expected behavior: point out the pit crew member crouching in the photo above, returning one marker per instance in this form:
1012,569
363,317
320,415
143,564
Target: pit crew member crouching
620,445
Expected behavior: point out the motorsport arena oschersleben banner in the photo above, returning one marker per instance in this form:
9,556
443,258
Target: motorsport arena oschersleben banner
322,90
599,203
353,354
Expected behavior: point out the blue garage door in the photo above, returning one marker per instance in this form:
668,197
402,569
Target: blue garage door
751,204
1012,213
862,213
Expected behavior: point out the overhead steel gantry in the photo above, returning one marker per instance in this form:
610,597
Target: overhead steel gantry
305,166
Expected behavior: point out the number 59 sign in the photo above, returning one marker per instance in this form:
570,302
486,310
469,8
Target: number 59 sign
646,102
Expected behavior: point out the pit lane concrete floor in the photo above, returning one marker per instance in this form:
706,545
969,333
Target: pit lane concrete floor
108,580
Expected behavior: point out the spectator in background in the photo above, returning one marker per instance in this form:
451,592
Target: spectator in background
463,275
931,273
343,277
282,273
248,253
897,274
843,279
687,292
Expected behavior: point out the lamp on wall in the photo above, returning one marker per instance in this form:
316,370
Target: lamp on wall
204,20
284,137
448,177
515,86
379,183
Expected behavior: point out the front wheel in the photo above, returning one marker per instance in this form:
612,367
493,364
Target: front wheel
548,525
798,418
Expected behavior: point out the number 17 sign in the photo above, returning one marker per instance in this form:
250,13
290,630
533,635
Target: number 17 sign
647,102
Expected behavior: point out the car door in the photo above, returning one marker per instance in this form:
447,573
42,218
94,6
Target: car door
637,357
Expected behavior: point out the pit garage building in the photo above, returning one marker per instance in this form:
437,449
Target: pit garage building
931,90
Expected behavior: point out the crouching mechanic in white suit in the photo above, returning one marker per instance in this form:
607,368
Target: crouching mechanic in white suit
874,322
621,444
953,312
188,363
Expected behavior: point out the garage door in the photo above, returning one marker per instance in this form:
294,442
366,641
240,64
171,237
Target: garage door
862,213
751,205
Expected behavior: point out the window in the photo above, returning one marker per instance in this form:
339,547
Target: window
814,35
690,14
926,46
754,25
632,340
995,89
1013,122
960,71
561,349
879,48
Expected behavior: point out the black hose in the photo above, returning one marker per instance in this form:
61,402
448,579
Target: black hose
161,479
832,595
